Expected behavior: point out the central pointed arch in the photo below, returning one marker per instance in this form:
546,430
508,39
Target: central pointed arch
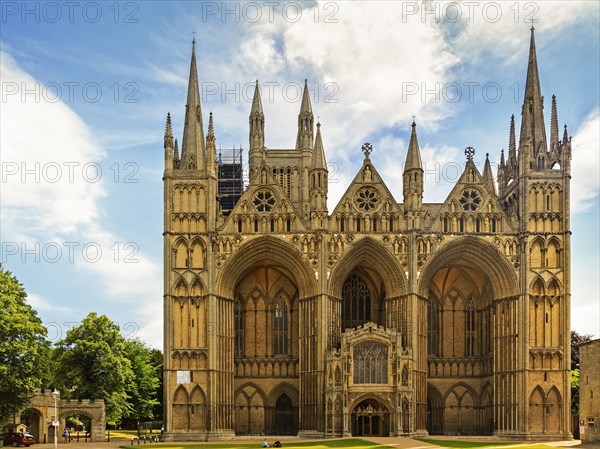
369,253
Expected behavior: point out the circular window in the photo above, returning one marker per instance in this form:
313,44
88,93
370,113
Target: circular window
367,199
470,200
264,201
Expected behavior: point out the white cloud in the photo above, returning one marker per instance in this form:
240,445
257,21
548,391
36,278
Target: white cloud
40,303
585,168
52,191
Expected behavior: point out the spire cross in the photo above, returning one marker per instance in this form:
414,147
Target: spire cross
469,152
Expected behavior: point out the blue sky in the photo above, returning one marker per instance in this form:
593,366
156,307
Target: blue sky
86,87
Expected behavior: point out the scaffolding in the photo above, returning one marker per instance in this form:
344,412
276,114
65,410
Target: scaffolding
231,178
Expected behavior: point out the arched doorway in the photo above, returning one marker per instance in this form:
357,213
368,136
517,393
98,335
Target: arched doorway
284,416
370,418
32,419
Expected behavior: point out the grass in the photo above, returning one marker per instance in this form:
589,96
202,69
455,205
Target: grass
350,443
126,434
467,444
482,444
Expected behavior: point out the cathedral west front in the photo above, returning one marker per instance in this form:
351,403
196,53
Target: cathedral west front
382,317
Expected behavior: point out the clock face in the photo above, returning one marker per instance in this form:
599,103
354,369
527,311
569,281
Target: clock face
367,199
470,200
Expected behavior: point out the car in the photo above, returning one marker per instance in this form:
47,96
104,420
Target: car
17,438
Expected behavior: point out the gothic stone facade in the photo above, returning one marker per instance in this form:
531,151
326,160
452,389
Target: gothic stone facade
379,317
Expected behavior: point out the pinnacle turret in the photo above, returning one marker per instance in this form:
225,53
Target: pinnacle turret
257,121
413,157
533,130
192,147
554,127
413,174
318,159
488,176
305,121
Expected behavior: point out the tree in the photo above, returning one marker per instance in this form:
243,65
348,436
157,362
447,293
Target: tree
143,390
24,349
92,363
576,340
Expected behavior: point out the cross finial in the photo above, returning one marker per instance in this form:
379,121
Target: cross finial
367,148
469,152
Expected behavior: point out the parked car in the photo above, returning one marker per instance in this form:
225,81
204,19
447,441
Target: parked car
17,438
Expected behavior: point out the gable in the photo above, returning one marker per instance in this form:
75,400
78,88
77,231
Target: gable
367,195
263,200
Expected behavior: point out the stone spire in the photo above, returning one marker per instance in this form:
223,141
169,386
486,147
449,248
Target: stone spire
192,146
512,146
413,174
488,177
413,157
168,146
257,121
532,113
306,121
211,146
554,127
318,158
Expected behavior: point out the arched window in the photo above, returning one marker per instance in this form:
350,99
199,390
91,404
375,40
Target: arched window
238,317
432,328
370,363
357,302
470,329
280,328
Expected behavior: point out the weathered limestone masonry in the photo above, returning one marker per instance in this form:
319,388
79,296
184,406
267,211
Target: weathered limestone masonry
589,391
379,317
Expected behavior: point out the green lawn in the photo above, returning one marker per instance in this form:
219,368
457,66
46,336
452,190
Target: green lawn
481,444
351,443
127,434
467,444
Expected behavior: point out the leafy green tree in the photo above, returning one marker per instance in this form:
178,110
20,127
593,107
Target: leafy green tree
157,362
92,363
576,340
143,390
24,349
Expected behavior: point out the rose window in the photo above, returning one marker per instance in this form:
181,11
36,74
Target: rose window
367,199
264,201
470,200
